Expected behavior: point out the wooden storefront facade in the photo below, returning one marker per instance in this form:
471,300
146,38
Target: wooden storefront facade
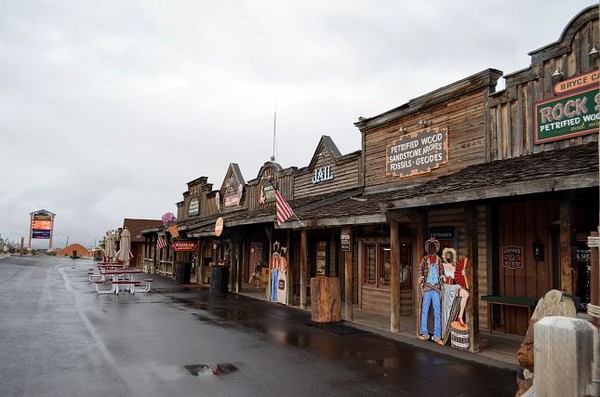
495,175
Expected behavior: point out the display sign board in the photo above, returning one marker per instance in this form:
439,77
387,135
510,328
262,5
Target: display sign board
219,224
41,225
184,245
577,83
512,257
267,194
417,153
346,239
194,208
568,116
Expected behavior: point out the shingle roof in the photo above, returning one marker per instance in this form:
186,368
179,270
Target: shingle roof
563,169
570,168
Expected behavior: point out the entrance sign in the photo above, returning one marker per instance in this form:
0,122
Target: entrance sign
417,153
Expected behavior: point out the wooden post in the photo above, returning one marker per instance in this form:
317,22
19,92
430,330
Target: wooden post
566,268
348,293
563,351
235,257
594,244
303,265
473,277
594,274
52,233
30,229
395,278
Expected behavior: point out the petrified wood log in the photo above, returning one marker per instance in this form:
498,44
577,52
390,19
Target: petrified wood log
325,299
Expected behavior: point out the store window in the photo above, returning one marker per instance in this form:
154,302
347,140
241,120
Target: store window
377,265
370,262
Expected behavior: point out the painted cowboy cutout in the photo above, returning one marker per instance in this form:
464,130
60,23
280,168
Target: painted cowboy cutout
431,271
279,275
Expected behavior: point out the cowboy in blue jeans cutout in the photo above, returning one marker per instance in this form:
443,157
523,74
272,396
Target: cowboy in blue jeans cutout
431,271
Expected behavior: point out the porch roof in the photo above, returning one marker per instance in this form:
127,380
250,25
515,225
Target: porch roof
550,171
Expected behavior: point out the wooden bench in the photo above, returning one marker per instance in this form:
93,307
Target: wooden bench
502,301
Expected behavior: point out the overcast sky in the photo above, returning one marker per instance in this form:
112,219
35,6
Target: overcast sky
108,108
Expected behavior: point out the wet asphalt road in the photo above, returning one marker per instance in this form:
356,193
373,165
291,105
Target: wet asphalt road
58,337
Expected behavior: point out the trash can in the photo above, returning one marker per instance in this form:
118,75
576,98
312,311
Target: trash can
219,279
183,271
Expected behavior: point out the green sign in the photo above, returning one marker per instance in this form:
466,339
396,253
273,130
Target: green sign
567,117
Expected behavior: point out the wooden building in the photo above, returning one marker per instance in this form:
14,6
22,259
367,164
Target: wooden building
514,198
138,242
508,179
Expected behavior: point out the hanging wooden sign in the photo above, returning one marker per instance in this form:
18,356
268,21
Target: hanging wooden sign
417,153
345,239
184,245
219,225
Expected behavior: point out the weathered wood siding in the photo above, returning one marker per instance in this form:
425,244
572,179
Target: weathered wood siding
521,223
345,176
283,179
375,300
460,108
511,110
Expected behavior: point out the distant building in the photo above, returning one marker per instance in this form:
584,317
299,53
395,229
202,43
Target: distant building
74,250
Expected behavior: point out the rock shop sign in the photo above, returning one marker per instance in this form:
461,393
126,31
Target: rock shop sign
417,153
567,116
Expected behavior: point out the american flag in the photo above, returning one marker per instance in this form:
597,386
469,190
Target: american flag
161,242
284,211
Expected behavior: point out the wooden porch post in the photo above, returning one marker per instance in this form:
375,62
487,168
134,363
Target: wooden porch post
395,278
422,235
566,272
303,258
235,253
473,277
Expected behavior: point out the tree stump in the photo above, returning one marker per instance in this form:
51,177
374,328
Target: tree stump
325,299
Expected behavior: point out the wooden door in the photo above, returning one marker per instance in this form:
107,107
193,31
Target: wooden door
256,256
524,227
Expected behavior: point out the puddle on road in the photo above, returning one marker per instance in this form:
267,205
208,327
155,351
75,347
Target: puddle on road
385,362
212,369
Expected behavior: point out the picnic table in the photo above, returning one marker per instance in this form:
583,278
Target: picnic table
123,280
103,267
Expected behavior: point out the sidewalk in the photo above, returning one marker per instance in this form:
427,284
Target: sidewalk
498,350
